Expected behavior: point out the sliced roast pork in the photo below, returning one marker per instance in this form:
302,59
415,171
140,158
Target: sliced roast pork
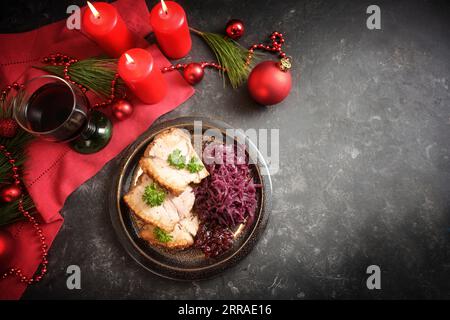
168,214
155,161
182,235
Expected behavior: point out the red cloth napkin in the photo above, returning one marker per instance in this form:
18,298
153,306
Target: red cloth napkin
54,171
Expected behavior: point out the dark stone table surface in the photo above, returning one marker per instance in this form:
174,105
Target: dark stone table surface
364,149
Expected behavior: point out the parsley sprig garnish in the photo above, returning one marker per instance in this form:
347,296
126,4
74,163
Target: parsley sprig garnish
194,165
176,159
161,235
153,195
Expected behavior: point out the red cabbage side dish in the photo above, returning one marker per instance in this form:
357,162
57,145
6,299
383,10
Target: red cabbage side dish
225,199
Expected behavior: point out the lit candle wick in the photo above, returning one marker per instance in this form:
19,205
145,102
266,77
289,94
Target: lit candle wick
164,7
129,58
93,10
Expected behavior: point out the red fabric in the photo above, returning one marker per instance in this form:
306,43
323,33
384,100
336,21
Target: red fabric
53,171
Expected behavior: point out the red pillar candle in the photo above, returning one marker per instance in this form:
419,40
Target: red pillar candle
169,24
104,24
137,68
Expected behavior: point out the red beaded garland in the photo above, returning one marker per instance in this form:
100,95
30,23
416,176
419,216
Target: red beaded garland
277,41
183,67
112,96
44,262
59,59
5,92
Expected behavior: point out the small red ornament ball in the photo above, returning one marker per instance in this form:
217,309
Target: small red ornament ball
193,73
122,109
268,84
7,249
10,193
8,128
235,29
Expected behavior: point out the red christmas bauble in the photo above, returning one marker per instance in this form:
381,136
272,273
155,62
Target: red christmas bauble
193,73
122,109
268,84
10,193
235,29
6,249
8,128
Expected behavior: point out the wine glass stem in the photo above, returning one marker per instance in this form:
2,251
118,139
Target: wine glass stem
89,130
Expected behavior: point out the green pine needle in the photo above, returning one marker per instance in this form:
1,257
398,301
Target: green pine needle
230,55
10,212
95,74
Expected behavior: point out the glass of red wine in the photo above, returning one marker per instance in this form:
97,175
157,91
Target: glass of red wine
53,109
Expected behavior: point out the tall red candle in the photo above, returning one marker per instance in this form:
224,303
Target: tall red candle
103,23
169,24
137,68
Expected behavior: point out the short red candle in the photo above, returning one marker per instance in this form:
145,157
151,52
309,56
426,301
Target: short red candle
108,29
142,76
171,29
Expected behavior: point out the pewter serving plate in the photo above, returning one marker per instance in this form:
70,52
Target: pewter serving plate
188,264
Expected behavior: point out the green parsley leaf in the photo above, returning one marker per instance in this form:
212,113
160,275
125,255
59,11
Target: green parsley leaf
161,235
176,159
194,165
153,195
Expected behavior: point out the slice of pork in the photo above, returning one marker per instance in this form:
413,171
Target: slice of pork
168,214
181,237
155,164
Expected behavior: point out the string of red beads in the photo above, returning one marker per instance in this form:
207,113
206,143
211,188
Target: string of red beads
212,65
182,66
5,92
112,96
44,248
277,41
59,59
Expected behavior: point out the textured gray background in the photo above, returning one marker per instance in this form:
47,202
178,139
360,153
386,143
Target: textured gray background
364,150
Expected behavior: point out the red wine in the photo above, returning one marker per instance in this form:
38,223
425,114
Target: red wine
49,107
51,111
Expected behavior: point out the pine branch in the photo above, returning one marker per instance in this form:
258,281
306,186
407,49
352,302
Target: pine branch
16,145
96,74
10,213
230,55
